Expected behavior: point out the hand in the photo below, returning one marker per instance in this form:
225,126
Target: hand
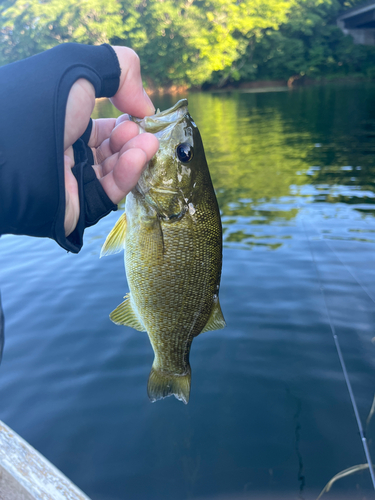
120,151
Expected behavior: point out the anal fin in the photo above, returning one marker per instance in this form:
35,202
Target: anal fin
124,315
216,320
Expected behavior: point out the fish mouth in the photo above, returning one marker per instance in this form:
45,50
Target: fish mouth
179,104
160,122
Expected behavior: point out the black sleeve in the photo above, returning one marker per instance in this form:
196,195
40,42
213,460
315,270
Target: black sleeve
33,96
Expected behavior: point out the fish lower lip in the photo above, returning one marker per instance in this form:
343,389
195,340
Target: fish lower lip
164,190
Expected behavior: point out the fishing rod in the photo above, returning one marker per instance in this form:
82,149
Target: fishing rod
341,357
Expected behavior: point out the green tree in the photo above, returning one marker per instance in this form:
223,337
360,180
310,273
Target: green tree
193,42
31,26
179,41
186,41
309,43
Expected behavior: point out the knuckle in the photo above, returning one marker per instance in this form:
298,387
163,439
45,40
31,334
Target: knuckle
133,57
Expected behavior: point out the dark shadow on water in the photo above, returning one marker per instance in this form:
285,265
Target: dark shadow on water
297,438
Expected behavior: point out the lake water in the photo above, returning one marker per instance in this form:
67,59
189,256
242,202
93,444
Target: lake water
269,415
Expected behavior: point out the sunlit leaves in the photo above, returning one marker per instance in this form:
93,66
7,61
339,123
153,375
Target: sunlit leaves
179,41
30,26
193,42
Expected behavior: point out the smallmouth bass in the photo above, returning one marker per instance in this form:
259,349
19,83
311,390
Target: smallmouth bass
172,239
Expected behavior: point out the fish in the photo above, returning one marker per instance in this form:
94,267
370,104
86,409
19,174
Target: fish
171,235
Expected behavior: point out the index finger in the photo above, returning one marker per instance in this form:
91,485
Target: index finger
131,97
101,130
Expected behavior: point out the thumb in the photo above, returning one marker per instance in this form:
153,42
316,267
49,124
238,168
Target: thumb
80,104
131,97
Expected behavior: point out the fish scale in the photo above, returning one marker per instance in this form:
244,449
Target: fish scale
172,238
171,304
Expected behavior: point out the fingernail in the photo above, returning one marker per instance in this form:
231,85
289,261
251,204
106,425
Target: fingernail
152,107
122,118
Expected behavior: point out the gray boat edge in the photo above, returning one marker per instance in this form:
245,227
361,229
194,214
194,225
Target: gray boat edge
25,474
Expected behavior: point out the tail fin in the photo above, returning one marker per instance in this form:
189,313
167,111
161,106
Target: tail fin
162,384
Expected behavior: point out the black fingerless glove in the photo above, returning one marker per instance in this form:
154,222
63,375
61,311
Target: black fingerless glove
33,96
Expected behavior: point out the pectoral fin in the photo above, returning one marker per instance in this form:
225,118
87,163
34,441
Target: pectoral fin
216,320
124,315
116,238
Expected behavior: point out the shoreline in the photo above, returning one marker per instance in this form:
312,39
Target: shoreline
260,85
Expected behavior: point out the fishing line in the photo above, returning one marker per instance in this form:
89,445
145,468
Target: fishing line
342,361
364,288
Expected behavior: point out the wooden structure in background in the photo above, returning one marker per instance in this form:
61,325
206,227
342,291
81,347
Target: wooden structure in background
359,22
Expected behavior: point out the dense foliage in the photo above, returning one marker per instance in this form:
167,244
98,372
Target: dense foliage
195,42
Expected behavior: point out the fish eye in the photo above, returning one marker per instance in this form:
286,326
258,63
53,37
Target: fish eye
184,152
